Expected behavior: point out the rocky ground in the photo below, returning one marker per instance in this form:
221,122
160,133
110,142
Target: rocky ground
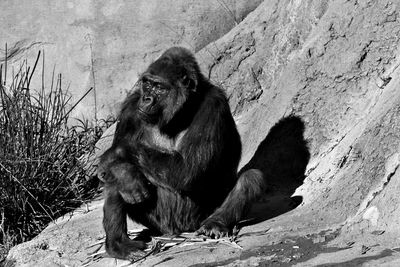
314,87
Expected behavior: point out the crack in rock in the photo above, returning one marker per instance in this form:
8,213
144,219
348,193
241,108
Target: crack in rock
391,166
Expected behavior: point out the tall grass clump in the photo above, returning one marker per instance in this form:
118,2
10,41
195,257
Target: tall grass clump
41,175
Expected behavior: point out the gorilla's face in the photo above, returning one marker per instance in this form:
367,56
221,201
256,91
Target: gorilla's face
154,92
164,88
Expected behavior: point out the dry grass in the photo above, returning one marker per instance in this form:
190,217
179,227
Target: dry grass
41,176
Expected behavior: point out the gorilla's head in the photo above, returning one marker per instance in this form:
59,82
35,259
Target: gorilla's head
167,84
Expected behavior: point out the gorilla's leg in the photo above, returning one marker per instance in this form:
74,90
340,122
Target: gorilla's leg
248,188
168,212
118,244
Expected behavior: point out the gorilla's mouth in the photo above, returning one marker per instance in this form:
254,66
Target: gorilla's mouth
150,117
142,112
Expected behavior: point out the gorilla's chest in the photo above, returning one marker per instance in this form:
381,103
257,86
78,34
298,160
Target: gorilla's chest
154,138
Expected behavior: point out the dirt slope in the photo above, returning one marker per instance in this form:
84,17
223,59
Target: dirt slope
321,72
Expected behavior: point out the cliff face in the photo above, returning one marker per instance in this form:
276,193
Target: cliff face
321,72
334,65
106,44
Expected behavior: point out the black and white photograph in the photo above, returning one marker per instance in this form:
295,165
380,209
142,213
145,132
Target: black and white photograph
199,133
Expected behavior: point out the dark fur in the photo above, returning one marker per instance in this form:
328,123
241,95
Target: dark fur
173,162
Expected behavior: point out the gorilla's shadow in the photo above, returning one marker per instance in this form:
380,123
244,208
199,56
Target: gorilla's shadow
282,158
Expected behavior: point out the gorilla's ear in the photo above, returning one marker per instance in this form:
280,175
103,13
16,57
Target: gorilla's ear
189,83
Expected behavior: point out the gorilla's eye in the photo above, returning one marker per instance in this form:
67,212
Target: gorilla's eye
147,85
159,88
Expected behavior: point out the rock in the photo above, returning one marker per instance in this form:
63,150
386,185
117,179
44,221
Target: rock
106,44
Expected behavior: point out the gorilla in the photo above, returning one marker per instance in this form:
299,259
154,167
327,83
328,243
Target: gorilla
173,163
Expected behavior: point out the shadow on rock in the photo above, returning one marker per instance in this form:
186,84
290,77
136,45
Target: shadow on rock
282,158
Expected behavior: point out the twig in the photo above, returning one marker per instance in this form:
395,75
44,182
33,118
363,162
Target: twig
80,99
94,78
5,66
231,243
34,68
95,244
97,253
154,250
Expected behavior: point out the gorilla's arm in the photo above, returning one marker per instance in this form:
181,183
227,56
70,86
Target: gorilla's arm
126,130
128,121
